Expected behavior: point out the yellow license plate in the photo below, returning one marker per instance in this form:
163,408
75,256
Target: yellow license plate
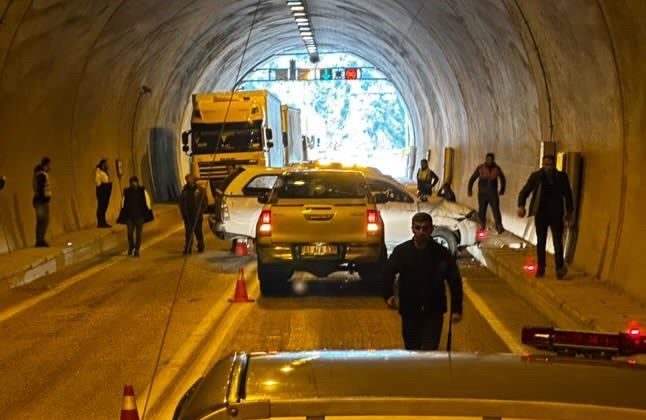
319,250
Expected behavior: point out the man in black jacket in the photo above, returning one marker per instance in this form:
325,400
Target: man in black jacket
423,267
551,192
487,175
192,205
41,200
136,209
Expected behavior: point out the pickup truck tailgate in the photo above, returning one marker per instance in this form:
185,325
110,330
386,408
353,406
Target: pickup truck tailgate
329,221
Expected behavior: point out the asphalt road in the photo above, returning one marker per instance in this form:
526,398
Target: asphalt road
71,354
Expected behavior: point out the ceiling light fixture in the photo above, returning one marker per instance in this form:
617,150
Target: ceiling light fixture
299,12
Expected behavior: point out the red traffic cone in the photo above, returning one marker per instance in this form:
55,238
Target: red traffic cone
241,248
240,295
129,405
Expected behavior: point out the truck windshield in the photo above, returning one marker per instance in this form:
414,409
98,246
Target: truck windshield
321,185
236,137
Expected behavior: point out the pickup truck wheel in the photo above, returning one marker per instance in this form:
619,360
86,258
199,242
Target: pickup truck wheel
274,279
446,238
372,274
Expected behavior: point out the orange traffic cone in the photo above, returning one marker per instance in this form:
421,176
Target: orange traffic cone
240,295
241,249
129,406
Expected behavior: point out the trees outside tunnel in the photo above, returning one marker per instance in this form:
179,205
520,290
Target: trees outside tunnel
361,121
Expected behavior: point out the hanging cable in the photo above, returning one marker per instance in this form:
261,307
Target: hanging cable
197,216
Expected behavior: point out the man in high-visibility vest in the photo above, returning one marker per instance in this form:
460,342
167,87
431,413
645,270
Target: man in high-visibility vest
426,179
487,175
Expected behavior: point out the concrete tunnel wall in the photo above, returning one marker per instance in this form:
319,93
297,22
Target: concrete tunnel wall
477,75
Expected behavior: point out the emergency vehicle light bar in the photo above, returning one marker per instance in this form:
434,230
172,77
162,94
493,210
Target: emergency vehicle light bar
585,342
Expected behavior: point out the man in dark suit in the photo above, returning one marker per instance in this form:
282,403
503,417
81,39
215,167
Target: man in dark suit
552,207
424,266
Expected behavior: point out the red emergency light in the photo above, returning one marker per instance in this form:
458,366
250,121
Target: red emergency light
585,342
530,266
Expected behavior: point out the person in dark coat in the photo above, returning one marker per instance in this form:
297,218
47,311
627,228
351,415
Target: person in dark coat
103,192
136,209
426,179
192,205
423,267
42,199
446,193
487,175
552,207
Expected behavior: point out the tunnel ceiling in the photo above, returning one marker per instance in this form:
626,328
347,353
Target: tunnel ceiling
477,75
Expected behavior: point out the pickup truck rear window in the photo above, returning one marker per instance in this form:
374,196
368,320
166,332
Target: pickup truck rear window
321,185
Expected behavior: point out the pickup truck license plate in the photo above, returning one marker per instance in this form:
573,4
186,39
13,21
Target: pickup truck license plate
319,250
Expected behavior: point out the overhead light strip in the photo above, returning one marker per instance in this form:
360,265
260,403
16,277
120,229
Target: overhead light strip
298,8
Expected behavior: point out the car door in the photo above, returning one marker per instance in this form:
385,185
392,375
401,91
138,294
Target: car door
397,212
244,209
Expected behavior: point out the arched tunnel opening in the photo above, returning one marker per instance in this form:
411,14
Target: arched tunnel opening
86,80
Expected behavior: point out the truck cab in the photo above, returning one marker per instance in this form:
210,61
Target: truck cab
230,130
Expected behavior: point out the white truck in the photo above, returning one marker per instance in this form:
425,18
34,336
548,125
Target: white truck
230,130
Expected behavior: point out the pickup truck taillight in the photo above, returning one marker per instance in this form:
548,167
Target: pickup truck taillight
373,222
264,223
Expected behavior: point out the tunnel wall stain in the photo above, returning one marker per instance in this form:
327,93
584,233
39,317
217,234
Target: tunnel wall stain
72,72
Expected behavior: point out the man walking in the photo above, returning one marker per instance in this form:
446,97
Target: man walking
487,175
423,267
426,179
103,192
192,205
41,200
551,193
136,209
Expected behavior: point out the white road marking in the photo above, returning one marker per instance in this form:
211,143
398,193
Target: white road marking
498,327
23,306
175,378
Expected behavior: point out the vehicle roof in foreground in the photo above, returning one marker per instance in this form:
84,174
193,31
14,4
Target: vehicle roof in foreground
420,383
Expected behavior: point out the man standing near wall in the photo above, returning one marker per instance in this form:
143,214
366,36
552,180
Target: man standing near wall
41,200
426,179
487,175
550,191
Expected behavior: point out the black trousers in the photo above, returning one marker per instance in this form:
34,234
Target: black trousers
192,228
422,331
42,221
103,193
489,198
555,223
135,227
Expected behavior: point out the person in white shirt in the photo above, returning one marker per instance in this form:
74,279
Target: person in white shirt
103,192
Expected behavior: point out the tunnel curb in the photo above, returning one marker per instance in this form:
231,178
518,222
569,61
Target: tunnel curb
96,243
507,265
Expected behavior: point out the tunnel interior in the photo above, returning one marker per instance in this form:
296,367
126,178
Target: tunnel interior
82,80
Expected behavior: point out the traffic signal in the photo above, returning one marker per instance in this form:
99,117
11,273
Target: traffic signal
326,74
351,73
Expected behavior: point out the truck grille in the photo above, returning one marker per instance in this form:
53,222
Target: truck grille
212,170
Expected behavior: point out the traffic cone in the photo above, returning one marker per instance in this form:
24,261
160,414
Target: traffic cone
240,295
129,405
241,249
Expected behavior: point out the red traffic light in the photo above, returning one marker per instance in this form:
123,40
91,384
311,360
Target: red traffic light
351,73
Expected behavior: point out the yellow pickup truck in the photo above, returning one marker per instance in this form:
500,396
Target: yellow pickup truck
319,221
